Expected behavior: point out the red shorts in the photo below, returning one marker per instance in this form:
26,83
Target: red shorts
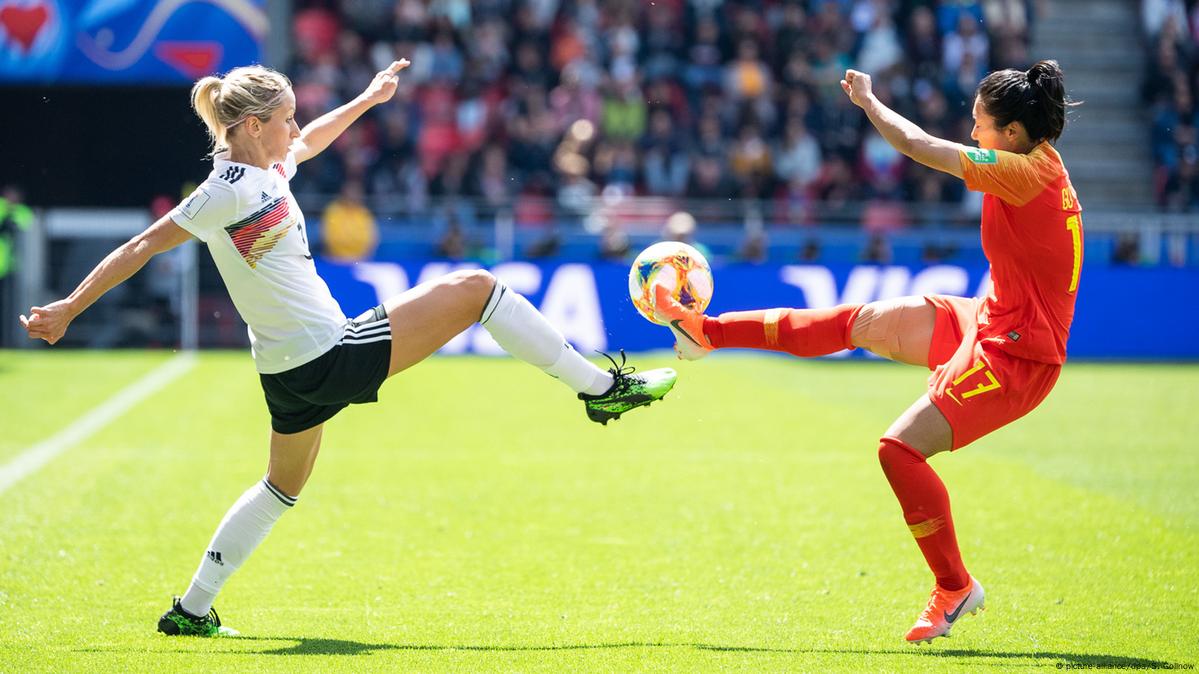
975,384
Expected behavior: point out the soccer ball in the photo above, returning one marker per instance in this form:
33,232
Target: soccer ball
678,267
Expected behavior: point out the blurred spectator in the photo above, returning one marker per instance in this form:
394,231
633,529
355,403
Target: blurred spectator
492,181
547,246
453,244
708,179
810,251
347,226
616,168
951,12
1156,13
680,226
623,110
754,248
882,166
575,99
576,191
1168,88
968,44
613,244
750,162
923,44
1128,249
797,160
877,250
705,56
665,156
880,48
748,82
935,252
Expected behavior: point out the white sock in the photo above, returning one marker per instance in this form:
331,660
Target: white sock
525,334
244,527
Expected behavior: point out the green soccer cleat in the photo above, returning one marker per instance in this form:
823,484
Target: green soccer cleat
628,391
177,622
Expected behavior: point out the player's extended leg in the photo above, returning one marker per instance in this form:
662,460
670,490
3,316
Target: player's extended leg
920,432
899,329
245,526
424,318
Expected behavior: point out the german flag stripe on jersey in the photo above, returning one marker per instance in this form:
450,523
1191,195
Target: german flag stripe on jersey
255,236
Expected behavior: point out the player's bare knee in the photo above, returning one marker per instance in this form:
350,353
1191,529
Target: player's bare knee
872,329
476,283
886,326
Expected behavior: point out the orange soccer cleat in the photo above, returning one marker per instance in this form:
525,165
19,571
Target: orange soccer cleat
690,342
943,610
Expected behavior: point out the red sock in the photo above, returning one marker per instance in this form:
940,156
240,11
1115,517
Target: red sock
801,332
925,506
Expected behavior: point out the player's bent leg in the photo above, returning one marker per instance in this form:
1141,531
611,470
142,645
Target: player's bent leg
900,329
923,427
920,432
244,527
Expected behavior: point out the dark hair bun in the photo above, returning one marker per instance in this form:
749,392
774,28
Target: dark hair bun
1042,72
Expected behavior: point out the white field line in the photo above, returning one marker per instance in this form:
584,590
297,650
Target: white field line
30,460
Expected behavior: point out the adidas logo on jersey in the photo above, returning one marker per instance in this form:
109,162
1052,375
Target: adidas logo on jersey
266,197
233,174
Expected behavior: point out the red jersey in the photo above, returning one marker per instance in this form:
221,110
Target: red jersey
1032,236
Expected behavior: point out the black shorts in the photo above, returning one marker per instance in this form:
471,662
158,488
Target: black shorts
349,373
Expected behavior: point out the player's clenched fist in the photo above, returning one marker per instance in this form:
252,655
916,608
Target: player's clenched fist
857,87
49,322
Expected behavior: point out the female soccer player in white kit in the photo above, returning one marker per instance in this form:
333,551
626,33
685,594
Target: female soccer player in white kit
311,359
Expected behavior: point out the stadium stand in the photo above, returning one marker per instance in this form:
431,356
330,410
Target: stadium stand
542,107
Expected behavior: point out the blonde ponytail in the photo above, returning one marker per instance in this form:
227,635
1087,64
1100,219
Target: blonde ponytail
225,102
205,95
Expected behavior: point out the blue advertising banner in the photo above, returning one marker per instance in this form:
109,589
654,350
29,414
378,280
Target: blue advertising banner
1122,312
127,41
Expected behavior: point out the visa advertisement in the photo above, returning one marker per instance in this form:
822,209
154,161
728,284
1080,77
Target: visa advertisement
127,41
1122,312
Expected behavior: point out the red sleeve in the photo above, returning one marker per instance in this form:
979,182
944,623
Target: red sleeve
1015,178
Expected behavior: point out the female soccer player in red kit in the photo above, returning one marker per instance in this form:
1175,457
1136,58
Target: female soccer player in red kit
993,359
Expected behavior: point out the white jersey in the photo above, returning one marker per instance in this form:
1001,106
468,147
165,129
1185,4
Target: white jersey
255,232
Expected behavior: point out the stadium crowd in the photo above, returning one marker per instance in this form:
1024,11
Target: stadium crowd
526,102
1172,33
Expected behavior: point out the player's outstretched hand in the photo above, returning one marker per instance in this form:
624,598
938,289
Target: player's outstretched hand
49,322
857,86
383,87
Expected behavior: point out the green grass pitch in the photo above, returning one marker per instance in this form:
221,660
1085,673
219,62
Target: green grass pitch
475,521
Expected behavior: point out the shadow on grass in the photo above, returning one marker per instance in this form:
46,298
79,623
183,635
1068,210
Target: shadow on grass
320,646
